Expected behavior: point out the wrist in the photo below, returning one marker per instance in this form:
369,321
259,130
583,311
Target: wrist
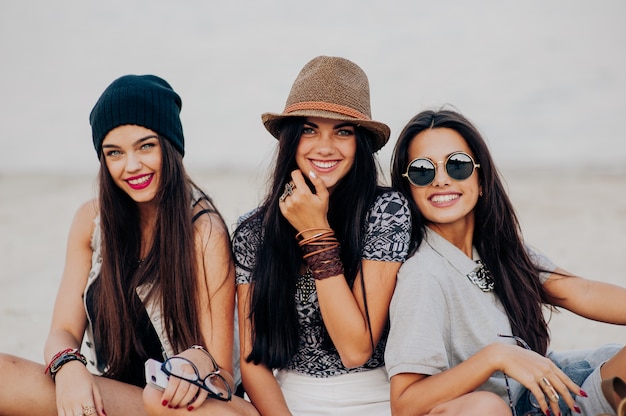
63,357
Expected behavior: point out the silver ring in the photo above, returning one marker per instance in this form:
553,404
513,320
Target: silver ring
552,394
546,382
289,187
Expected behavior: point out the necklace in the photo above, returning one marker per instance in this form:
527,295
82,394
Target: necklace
481,277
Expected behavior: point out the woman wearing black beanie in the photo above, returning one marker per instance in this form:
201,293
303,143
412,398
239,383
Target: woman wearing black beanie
148,279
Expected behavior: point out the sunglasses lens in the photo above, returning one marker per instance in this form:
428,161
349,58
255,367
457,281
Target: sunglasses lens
460,166
421,172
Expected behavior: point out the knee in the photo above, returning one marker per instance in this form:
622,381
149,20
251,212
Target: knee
490,403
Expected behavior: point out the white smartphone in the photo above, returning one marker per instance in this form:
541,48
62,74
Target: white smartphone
154,375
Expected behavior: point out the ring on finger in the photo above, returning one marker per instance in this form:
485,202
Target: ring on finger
553,395
289,187
89,410
546,382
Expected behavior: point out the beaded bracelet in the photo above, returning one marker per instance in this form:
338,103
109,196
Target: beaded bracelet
63,357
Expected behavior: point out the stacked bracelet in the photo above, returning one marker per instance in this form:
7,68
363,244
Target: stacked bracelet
321,253
63,357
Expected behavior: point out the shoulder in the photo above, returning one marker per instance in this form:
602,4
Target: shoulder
248,225
85,216
425,265
390,209
210,229
390,206
83,226
390,201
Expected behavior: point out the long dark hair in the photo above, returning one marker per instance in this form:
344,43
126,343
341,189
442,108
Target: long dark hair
278,259
497,234
170,266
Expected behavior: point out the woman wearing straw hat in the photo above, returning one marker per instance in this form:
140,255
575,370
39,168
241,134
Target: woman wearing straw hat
316,262
148,276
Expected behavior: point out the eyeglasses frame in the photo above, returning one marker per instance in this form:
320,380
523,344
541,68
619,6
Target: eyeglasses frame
436,164
201,382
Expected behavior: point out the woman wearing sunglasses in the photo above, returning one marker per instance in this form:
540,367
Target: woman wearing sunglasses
467,313
317,261
148,274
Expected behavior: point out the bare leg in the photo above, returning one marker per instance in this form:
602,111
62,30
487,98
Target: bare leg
478,403
237,406
26,390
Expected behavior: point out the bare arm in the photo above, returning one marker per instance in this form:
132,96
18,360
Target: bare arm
258,380
343,309
216,284
591,299
75,386
418,394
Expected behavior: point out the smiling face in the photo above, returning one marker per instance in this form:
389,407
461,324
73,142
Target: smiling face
446,204
326,147
133,157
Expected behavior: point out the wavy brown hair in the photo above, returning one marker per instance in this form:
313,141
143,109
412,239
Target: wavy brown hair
170,265
497,234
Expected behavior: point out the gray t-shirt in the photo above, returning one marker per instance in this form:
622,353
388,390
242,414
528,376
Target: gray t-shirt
439,318
387,238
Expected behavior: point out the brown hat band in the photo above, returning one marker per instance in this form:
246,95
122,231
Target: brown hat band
321,105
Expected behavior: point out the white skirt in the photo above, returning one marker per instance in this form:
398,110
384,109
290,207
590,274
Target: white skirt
363,394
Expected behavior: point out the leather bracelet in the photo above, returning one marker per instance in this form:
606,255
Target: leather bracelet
63,357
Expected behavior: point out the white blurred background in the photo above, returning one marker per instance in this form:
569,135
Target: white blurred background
545,81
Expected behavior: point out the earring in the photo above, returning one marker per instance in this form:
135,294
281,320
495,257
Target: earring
480,193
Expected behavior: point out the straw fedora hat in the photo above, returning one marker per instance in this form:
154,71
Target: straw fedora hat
334,88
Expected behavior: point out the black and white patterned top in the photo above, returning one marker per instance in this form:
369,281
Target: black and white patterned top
386,239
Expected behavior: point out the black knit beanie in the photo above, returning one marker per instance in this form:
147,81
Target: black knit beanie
143,100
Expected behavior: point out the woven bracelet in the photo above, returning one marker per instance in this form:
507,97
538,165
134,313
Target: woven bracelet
63,358
325,263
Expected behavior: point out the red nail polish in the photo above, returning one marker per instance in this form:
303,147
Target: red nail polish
577,409
164,403
190,408
169,406
582,393
103,412
548,412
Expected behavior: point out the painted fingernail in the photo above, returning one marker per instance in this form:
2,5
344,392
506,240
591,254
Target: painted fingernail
312,174
169,406
577,409
103,412
164,403
190,408
548,412
583,393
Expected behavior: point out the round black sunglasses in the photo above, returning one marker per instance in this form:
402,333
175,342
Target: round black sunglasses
421,171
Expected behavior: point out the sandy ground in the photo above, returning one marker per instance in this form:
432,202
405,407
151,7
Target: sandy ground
578,220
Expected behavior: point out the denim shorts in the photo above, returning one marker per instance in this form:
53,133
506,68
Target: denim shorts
578,366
